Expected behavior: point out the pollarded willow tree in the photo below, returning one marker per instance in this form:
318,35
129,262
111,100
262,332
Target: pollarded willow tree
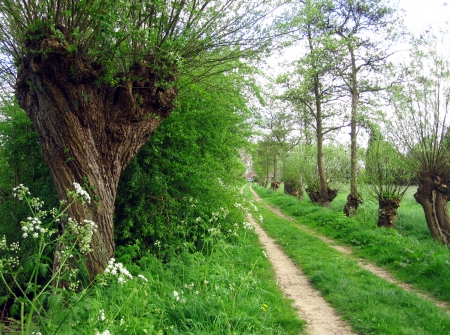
386,177
97,77
420,128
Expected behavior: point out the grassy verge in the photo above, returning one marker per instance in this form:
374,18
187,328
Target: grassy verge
371,305
408,251
229,288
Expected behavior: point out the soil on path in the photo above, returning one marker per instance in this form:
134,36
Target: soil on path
321,318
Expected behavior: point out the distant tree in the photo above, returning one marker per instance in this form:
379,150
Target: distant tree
97,78
298,169
265,160
311,87
385,177
419,128
365,29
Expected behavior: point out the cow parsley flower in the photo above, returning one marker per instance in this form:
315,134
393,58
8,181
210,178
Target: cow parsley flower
82,193
118,270
32,227
20,191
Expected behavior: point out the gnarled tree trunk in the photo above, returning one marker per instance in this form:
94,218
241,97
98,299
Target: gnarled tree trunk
90,130
352,204
387,212
317,195
433,195
293,187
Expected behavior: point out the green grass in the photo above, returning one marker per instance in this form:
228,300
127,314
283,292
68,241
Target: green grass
231,289
370,304
408,251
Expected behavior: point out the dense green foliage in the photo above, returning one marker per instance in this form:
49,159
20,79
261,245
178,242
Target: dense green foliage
21,162
181,180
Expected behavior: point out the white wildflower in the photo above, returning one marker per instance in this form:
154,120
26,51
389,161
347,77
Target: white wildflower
82,193
143,278
102,315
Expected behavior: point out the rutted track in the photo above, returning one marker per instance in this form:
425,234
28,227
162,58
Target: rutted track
320,316
361,262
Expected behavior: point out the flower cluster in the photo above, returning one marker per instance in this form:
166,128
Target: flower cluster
101,316
214,231
21,191
13,260
264,308
118,270
105,332
178,298
83,232
33,227
240,206
37,204
85,197
254,206
248,225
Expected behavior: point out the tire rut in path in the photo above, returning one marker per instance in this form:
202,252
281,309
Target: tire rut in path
321,318
361,262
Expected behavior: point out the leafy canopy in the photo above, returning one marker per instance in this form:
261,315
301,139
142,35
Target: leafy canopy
175,36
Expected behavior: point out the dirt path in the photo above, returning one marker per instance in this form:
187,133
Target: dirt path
320,316
361,262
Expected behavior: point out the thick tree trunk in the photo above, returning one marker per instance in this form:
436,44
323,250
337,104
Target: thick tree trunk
317,196
433,195
387,212
89,130
352,204
294,187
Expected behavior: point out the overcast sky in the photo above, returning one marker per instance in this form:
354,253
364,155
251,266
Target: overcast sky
419,14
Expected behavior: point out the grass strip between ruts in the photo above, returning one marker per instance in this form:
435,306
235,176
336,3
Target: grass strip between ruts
370,304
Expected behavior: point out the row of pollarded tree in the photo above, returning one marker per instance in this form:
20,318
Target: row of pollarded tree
344,79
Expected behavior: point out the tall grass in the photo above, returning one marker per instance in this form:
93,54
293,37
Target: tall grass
230,290
227,286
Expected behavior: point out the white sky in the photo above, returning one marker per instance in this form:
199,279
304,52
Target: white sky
419,14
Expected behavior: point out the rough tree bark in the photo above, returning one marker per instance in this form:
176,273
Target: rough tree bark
294,187
387,212
62,94
433,194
